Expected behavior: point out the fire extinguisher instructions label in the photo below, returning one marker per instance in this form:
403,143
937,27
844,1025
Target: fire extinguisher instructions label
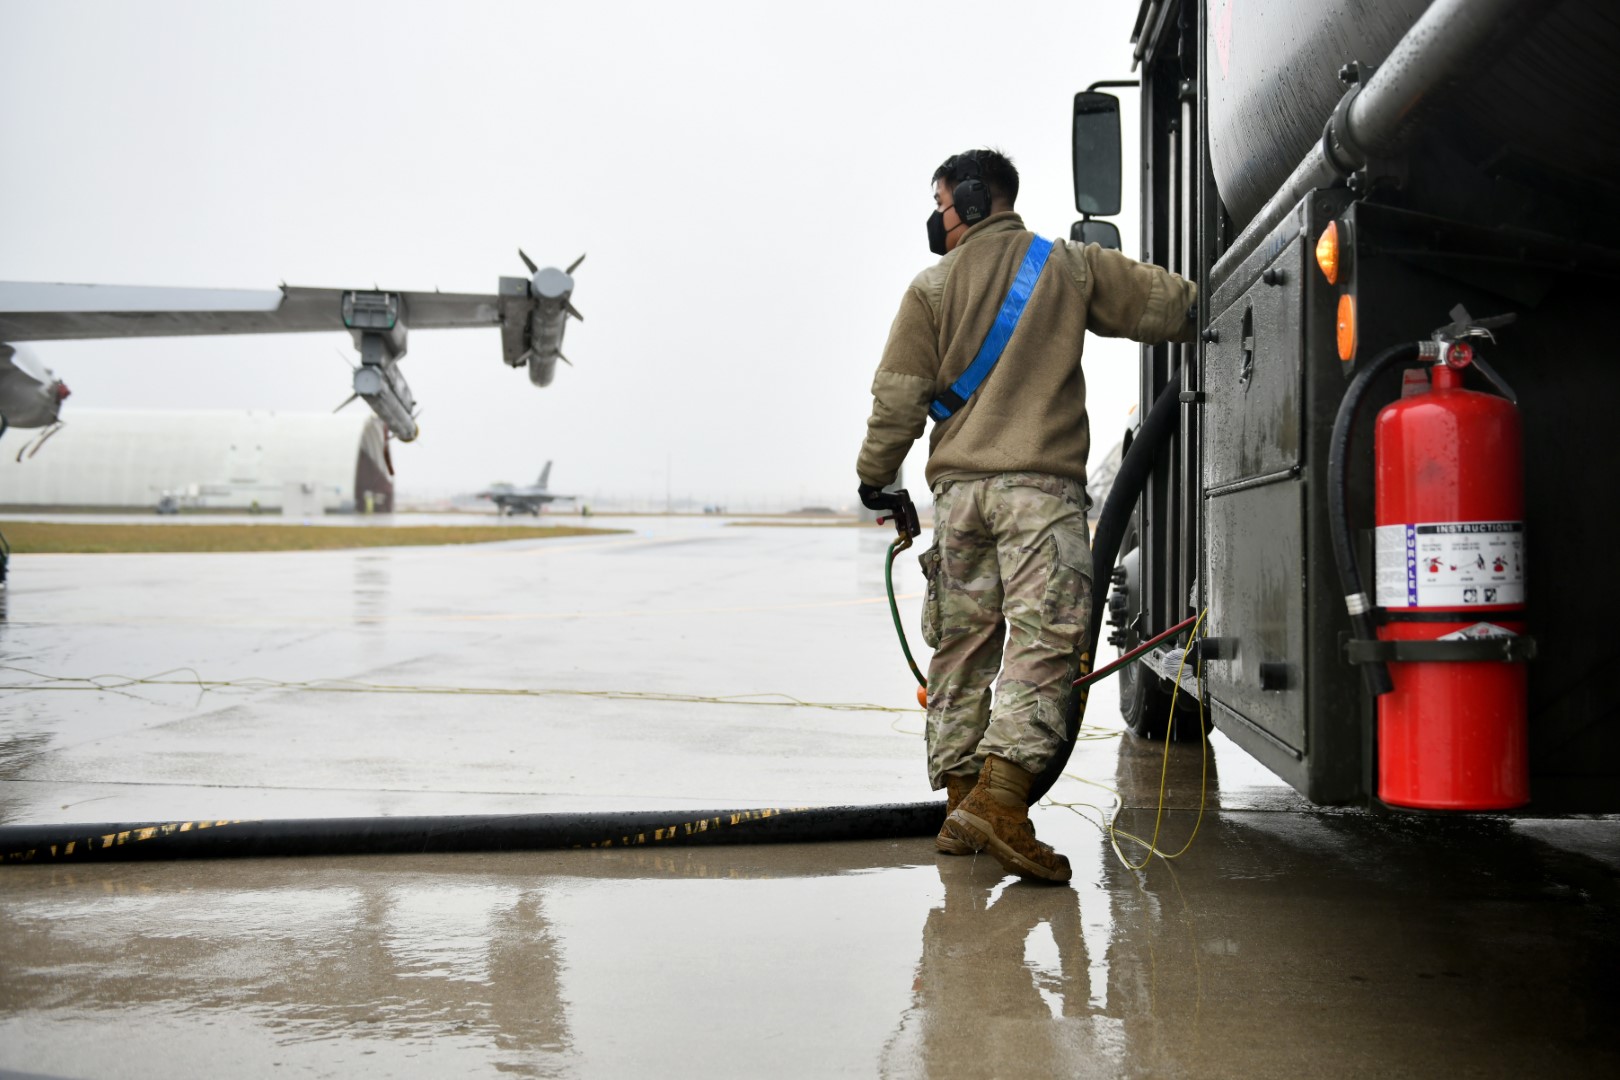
1450,564
1480,631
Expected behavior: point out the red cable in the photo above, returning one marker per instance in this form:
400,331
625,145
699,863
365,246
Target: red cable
1134,653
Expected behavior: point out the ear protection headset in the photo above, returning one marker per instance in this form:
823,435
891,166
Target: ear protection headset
971,197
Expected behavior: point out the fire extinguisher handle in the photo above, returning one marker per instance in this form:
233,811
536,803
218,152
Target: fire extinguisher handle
1495,379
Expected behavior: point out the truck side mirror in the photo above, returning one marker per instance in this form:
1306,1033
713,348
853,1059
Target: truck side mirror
1105,233
1096,153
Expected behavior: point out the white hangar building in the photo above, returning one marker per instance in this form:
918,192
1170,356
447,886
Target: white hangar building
212,460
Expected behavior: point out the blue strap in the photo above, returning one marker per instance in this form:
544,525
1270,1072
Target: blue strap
1001,331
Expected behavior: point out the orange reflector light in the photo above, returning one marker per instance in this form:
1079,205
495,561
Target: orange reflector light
1347,327
1327,253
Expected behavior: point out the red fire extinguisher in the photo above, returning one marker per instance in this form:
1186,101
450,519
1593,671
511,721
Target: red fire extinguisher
1450,565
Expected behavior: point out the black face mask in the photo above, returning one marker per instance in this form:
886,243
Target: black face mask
937,233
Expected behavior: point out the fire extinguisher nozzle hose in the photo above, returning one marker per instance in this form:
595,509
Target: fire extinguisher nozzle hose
1344,554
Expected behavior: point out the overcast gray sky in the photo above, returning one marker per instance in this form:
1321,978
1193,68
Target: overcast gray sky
750,181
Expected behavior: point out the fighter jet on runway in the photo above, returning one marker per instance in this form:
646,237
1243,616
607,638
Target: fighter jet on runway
531,312
31,396
511,500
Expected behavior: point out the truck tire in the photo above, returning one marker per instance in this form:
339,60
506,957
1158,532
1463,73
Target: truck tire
1144,702
1144,698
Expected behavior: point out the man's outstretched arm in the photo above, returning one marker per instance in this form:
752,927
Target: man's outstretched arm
1137,300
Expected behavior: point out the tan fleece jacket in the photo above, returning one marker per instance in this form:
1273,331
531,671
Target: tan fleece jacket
1029,415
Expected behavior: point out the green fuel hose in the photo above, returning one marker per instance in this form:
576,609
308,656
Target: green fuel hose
899,545
903,513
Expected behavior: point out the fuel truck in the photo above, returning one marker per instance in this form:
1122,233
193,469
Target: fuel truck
1384,472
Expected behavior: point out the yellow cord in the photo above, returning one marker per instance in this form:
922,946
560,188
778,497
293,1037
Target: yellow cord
1152,845
120,683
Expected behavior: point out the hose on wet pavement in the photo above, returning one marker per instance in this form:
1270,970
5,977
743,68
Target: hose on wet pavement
76,843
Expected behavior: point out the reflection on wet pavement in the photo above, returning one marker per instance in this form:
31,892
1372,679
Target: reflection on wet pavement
1319,946
1001,965
371,588
1288,941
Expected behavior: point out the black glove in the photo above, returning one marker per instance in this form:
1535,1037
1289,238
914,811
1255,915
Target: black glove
875,498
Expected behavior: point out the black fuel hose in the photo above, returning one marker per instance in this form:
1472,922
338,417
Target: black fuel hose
1129,483
1344,555
488,832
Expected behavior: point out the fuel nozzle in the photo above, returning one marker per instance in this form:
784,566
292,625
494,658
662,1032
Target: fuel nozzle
902,512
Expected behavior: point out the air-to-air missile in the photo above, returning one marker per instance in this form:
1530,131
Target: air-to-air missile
373,319
537,340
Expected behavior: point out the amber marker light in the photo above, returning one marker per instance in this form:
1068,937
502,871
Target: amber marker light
1347,327
1327,252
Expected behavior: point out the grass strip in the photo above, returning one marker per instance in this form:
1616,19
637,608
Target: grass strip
41,537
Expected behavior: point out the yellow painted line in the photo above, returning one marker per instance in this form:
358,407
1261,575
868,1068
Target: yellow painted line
437,620
606,545
625,613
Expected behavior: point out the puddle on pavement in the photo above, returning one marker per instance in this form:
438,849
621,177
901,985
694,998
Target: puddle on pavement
831,957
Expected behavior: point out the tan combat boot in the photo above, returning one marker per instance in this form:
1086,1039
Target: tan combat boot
947,842
995,816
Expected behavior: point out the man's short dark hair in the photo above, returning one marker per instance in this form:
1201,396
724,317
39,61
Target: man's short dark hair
993,167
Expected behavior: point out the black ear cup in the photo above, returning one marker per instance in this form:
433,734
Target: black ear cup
971,197
972,200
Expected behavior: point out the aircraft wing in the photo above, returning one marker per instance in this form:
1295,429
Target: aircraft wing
50,312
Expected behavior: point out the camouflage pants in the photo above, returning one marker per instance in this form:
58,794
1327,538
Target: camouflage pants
1011,559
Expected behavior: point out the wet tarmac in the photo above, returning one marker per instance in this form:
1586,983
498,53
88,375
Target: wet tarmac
665,669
